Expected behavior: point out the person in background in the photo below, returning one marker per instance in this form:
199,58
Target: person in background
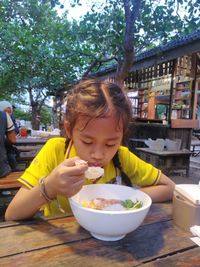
7,107
12,151
98,114
14,120
7,129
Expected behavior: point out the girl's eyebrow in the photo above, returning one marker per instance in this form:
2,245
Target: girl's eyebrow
108,139
113,138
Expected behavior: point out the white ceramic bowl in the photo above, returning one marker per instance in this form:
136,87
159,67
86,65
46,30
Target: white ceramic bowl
109,225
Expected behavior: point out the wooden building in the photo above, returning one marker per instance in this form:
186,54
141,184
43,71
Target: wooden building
164,85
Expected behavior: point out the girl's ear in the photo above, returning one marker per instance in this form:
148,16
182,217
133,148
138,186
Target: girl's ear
67,128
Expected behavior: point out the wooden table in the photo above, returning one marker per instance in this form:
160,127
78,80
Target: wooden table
62,242
28,148
166,160
22,141
8,187
10,181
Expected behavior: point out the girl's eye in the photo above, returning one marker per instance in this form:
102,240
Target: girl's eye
87,142
110,145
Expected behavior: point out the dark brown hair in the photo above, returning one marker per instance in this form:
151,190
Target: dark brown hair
96,99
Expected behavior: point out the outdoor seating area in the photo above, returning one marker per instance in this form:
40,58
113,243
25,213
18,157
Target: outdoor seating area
100,133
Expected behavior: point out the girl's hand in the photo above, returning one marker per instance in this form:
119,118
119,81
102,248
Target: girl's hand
66,179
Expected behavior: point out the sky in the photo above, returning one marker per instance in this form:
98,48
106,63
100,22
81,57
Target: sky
77,11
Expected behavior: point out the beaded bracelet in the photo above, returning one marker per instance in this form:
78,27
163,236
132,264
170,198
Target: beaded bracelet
43,190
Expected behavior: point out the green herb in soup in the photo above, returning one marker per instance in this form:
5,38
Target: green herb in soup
129,204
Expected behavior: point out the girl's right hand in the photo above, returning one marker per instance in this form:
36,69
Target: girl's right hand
66,179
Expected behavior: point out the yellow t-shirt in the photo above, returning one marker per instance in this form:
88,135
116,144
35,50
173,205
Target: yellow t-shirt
53,153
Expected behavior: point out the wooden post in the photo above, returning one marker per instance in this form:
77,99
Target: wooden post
194,85
171,88
151,106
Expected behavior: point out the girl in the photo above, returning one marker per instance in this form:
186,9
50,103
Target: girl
98,114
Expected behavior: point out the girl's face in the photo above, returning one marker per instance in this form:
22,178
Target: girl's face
98,140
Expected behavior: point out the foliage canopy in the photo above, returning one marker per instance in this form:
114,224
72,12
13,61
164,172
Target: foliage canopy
42,53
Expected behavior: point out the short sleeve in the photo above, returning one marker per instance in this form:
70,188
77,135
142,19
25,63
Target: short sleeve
140,172
10,126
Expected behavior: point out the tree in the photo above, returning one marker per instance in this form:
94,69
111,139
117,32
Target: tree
41,53
37,56
116,30
22,115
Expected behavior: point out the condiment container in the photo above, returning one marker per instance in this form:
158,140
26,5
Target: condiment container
186,205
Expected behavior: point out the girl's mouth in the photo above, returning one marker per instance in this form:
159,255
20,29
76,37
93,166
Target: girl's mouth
94,164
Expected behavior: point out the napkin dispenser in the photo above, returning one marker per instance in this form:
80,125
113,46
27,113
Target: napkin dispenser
186,205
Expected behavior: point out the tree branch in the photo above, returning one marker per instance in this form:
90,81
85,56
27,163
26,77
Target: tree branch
95,63
131,9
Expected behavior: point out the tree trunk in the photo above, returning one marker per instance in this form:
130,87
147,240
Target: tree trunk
35,120
56,121
131,8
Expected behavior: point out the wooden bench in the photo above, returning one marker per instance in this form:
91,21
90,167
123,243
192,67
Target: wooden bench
10,181
28,148
27,154
26,157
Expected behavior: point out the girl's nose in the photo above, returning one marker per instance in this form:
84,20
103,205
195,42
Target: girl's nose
98,153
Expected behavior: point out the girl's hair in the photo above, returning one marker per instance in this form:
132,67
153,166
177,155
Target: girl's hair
94,99
124,176
98,99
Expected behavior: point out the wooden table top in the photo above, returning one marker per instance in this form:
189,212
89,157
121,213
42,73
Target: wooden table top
10,181
138,140
62,242
31,140
165,152
27,148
